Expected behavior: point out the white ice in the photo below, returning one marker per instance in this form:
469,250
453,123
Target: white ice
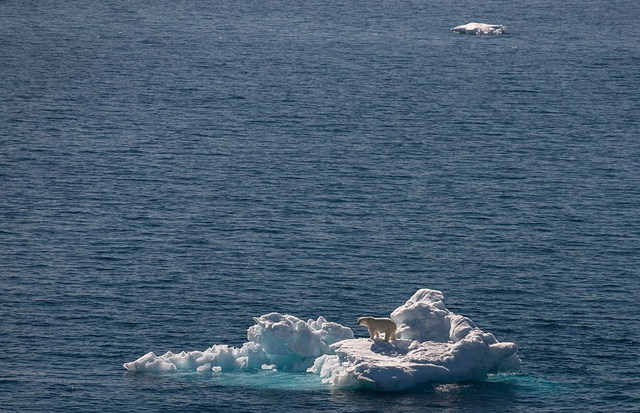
480,29
276,341
434,345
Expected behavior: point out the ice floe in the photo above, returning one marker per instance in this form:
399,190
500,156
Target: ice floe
433,345
276,341
480,29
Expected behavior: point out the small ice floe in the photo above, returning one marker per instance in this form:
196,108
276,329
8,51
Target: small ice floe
431,344
480,29
276,342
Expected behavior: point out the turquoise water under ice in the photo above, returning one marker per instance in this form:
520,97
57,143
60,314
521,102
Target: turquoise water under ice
169,170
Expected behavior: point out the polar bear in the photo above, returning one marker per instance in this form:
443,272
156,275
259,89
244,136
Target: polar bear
379,325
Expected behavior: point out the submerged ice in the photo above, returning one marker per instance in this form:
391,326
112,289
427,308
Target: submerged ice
433,345
480,28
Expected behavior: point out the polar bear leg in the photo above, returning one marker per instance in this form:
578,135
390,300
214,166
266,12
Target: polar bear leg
372,333
389,335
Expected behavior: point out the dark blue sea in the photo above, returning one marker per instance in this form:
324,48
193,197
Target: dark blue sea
171,169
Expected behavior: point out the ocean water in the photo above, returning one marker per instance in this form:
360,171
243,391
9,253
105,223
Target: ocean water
171,169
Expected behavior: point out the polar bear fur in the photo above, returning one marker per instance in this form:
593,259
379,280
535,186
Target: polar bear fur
379,325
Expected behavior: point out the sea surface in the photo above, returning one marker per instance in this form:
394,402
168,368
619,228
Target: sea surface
171,169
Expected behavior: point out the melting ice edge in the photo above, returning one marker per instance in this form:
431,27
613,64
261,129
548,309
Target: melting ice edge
434,345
